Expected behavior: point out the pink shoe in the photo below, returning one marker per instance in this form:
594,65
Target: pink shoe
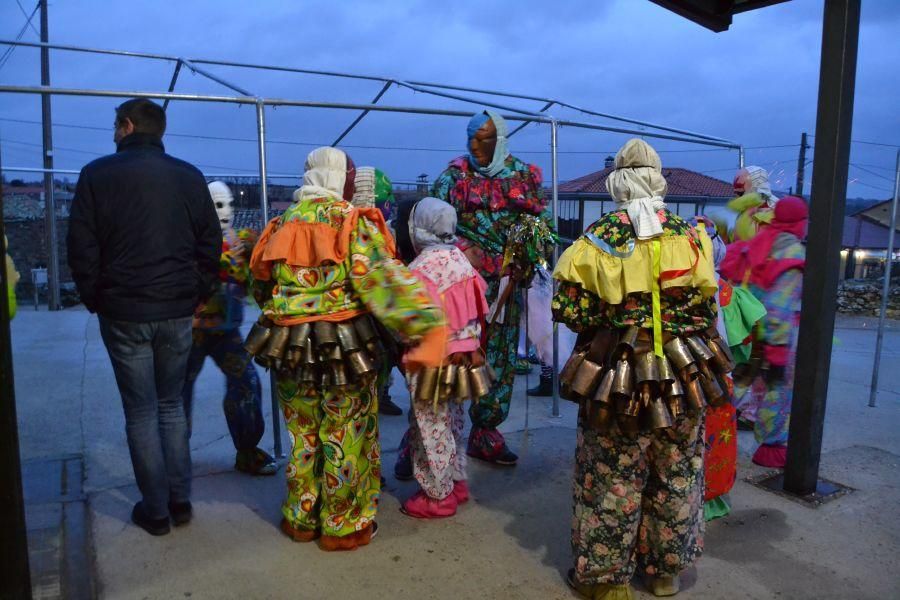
461,491
772,456
421,506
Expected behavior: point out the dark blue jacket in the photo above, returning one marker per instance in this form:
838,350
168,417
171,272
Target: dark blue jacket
144,238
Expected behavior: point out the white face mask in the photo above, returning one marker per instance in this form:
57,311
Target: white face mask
223,200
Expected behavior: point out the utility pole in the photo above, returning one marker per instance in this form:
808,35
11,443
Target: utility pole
801,164
49,200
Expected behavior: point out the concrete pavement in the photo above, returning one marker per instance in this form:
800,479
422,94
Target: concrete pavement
511,541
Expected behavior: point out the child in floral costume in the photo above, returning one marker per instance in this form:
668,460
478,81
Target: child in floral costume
642,274
217,335
436,431
490,190
328,265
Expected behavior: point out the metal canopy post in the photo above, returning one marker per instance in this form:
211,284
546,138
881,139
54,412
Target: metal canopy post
15,579
264,212
886,290
554,171
837,77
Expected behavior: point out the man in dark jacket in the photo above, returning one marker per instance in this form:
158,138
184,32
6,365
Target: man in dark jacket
143,245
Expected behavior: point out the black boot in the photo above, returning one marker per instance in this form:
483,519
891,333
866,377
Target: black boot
544,387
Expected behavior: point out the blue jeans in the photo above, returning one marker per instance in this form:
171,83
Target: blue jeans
150,360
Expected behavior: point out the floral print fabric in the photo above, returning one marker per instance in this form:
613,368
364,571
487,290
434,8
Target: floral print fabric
335,465
437,444
459,289
370,279
638,502
333,477
683,309
768,403
436,430
486,208
225,309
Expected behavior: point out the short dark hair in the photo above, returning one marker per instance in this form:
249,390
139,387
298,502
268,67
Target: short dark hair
146,116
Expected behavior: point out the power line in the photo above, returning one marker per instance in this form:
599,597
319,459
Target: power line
891,169
874,187
8,53
891,179
93,153
25,14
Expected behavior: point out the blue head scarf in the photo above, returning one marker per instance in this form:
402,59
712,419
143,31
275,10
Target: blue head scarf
501,150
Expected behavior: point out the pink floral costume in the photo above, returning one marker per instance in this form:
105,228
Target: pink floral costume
437,439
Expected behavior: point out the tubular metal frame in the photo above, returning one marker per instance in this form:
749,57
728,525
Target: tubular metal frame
417,86
246,98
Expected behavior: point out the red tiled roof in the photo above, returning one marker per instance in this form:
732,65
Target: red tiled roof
682,182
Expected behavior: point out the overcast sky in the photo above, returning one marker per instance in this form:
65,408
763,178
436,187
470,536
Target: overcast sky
755,84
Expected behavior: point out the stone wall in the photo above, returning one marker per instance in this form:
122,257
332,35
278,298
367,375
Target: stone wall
863,297
28,249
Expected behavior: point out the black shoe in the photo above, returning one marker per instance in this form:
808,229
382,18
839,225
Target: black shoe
181,513
386,406
506,457
151,526
544,388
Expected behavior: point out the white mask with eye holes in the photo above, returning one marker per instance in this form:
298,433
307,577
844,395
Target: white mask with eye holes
223,200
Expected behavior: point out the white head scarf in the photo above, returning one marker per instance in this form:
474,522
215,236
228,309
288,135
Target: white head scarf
324,175
432,223
637,185
755,179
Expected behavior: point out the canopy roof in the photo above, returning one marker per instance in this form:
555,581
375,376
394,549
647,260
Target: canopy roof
713,14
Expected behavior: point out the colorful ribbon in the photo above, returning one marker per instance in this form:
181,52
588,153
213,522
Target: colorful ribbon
604,247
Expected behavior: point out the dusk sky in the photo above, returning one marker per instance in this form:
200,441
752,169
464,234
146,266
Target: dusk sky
755,84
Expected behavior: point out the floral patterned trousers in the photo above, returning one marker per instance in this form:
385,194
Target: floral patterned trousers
243,392
333,477
438,446
502,346
638,502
